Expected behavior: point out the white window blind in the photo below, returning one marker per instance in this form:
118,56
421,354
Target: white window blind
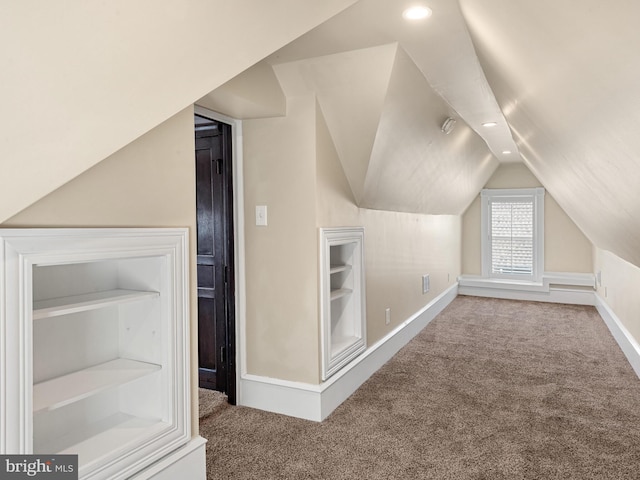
513,233
512,237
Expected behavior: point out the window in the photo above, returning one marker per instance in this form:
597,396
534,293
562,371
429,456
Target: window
513,233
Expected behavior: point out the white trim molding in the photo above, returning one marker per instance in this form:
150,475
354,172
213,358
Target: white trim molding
237,159
554,287
626,342
316,402
84,271
533,195
189,462
341,270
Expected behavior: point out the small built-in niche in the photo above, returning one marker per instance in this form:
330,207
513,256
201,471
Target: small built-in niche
342,297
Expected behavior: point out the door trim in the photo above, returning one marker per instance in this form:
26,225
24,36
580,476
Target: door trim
238,247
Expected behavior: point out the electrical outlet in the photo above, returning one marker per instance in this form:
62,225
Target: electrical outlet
387,316
425,283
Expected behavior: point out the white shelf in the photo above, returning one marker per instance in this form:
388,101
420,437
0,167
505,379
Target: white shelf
90,301
112,433
340,292
339,268
81,392
61,391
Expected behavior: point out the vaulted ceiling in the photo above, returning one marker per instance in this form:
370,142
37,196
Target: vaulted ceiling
567,78
560,79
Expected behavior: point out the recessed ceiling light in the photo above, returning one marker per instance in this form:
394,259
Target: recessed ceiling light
417,13
506,152
489,124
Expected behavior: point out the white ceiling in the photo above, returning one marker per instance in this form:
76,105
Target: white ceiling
440,47
567,77
385,86
561,79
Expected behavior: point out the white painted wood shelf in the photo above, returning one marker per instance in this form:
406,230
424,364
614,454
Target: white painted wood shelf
339,269
340,292
77,386
91,301
112,433
98,346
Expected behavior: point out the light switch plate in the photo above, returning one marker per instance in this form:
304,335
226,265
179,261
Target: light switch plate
261,215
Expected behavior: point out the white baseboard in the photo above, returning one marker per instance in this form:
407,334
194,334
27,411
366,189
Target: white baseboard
189,461
301,400
316,402
627,343
572,288
560,295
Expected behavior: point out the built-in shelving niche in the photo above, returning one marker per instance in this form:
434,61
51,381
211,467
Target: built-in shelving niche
342,297
96,346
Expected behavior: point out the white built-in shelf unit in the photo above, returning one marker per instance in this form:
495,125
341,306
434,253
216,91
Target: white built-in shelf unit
342,312
95,346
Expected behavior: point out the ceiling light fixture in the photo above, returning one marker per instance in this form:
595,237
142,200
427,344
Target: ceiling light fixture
489,124
417,13
506,152
448,125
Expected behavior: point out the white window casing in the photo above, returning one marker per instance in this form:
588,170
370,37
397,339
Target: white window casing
512,230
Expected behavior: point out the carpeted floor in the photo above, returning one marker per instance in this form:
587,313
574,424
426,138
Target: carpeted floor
491,389
210,402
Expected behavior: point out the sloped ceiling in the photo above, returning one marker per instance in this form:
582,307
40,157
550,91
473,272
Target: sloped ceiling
255,93
561,80
567,77
414,166
385,86
385,121
440,47
80,80
351,89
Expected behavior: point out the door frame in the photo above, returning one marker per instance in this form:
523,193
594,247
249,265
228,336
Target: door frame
238,234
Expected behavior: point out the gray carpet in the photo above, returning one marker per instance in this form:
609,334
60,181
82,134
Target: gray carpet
491,389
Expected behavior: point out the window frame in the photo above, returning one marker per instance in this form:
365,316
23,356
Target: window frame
489,196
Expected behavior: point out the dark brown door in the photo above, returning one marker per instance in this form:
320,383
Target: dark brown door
214,201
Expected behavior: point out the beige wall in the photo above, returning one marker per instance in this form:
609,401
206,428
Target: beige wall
399,247
566,249
291,165
281,259
619,288
149,183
